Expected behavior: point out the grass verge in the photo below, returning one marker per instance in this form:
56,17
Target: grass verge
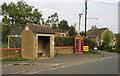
13,59
112,51
3,47
92,52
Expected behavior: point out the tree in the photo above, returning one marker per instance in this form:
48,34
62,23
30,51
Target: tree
19,14
72,31
63,25
106,40
5,31
117,41
52,21
82,33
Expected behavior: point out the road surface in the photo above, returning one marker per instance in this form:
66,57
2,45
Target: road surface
107,65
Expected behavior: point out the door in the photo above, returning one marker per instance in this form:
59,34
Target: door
77,45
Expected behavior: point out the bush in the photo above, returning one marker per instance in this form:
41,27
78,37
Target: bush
64,41
107,48
90,43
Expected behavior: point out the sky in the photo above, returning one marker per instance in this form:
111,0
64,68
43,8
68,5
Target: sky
106,11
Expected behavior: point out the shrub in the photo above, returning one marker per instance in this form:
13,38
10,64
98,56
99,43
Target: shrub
107,48
89,42
64,41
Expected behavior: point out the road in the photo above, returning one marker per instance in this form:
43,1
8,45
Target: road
66,64
107,65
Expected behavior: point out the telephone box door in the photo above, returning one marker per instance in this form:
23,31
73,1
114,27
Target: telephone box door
79,44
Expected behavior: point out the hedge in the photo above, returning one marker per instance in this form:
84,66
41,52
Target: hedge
64,41
69,41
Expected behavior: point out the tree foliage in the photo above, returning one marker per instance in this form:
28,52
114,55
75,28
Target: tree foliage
53,21
117,41
106,40
82,33
72,31
20,14
63,25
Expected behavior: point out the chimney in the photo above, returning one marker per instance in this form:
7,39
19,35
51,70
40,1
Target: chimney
94,27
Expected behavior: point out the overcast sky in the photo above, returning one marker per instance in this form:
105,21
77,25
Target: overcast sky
105,10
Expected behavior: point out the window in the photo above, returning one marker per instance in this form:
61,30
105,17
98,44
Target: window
63,35
98,39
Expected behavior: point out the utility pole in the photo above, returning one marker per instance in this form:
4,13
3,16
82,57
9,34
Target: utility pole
79,24
85,16
74,26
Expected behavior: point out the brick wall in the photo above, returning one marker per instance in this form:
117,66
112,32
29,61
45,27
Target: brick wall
58,34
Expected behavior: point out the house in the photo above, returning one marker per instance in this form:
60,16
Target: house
37,42
61,33
97,35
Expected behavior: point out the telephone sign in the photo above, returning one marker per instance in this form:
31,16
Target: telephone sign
86,48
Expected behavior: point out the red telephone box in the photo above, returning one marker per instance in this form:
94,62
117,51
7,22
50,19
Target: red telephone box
79,43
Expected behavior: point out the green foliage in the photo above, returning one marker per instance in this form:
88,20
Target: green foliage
64,41
117,46
54,27
118,41
19,14
63,25
69,41
112,50
5,31
3,47
106,40
116,50
82,33
52,21
1,26
72,31
92,52
89,42
13,59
